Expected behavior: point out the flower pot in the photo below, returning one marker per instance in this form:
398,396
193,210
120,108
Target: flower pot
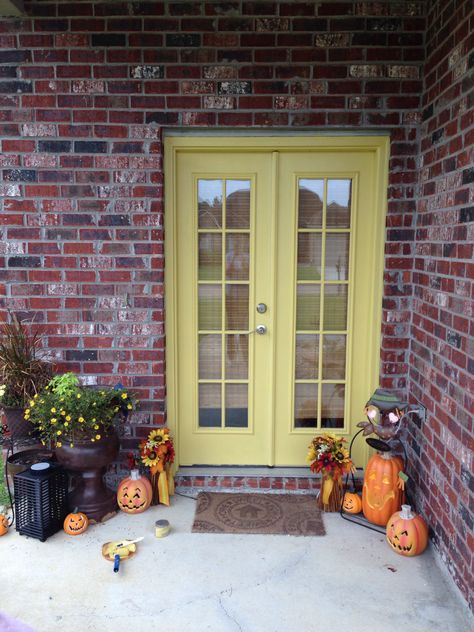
18,427
88,462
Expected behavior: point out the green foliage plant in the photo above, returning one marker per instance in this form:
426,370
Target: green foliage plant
67,411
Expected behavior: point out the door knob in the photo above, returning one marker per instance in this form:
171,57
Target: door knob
261,329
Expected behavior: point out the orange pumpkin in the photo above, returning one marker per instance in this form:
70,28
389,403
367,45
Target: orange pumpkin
75,523
134,493
407,533
3,524
381,495
352,503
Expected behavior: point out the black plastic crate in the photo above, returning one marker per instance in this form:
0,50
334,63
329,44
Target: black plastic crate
40,500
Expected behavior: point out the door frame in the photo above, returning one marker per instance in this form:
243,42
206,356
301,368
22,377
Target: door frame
178,142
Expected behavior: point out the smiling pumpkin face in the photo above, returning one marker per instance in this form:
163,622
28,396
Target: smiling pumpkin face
381,496
75,523
352,503
134,494
407,533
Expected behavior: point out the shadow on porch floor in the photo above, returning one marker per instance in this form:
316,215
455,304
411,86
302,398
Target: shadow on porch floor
348,580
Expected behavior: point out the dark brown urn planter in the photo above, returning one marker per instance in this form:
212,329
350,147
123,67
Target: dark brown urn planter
87,462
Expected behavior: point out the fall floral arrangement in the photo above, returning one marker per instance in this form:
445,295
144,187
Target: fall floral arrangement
329,456
157,454
66,410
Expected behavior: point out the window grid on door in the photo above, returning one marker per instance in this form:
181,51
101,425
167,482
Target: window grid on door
223,302
322,284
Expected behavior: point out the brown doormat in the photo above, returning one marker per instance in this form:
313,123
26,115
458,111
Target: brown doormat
284,514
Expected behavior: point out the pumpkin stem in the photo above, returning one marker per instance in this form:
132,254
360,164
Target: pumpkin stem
405,513
134,475
75,509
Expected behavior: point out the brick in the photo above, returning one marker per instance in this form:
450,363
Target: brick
108,39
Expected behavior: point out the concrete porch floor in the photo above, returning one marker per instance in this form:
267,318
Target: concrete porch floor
348,580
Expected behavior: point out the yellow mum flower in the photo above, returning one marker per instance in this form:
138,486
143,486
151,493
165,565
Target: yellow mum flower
78,396
63,412
59,432
129,406
68,417
26,417
66,423
53,410
36,396
71,445
96,427
81,420
124,395
58,444
97,436
53,420
32,402
27,411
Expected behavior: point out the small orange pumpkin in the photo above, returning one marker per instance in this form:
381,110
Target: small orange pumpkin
3,524
407,532
352,503
381,495
134,493
75,523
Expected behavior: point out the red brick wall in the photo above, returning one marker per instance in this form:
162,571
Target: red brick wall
442,348
85,90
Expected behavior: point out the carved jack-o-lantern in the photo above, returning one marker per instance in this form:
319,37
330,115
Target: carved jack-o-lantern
134,493
75,523
352,503
381,495
407,533
3,524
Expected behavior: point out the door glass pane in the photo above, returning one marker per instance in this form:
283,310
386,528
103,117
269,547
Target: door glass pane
237,256
210,257
237,306
307,307
210,203
237,356
237,203
335,307
310,203
338,208
309,256
334,357
210,405
332,406
210,357
210,307
236,406
337,257
306,405
307,357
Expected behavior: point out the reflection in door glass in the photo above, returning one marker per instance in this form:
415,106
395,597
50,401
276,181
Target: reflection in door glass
335,307
237,256
338,204
337,257
332,406
310,203
210,357
236,406
309,256
238,204
210,307
210,203
334,356
307,357
210,405
237,306
306,405
237,356
210,257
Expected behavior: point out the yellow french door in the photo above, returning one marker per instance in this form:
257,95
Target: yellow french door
273,286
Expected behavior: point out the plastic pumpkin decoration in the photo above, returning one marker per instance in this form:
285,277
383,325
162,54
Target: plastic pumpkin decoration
3,524
407,533
352,503
382,493
75,523
134,493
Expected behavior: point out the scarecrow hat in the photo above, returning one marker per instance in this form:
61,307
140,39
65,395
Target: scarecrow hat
385,401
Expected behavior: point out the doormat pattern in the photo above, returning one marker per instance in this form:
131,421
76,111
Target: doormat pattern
283,514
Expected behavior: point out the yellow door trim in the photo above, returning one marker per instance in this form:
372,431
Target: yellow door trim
377,145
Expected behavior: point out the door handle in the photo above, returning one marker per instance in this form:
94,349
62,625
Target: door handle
261,329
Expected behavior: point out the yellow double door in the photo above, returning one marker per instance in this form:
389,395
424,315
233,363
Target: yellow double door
273,293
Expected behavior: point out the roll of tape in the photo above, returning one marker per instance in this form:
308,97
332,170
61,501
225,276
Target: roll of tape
162,528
